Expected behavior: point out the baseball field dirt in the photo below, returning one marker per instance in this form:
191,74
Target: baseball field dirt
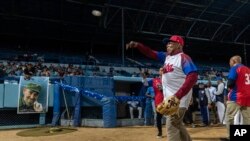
132,133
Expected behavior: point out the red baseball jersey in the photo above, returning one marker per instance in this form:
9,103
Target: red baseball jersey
157,86
241,91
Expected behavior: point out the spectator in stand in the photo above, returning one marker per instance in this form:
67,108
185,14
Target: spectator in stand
45,72
29,71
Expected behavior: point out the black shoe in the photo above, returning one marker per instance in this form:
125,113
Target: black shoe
204,125
159,135
224,139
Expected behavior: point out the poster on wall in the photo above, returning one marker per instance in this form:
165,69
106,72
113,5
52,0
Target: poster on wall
33,95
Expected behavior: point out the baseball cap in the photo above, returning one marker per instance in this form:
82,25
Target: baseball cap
174,38
34,87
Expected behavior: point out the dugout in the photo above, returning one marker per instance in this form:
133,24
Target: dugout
100,102
84,98
124,86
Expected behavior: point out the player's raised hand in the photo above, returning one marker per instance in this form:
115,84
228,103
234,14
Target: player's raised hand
131,44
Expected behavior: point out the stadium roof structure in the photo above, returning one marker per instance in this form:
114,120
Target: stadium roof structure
210,20
199,21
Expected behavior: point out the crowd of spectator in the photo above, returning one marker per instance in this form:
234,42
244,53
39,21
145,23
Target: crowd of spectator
18,68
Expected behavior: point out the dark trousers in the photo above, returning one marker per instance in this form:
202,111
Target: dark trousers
188,118
204,114
214,111
158,122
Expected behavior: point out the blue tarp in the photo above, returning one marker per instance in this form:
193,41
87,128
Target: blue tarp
107,101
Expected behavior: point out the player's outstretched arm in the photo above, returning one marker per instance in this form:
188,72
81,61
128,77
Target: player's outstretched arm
145,50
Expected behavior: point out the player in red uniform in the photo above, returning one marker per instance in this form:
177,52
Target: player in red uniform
239,94
157,86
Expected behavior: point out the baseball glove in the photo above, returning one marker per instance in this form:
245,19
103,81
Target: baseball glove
169,106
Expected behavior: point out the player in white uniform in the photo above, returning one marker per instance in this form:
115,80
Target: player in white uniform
179,76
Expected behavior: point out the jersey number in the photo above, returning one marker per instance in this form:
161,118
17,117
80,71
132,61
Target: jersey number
247,82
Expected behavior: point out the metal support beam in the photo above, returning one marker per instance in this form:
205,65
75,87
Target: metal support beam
163,34
227,20
131,19
106,23
242,31
145,17
195,38
226,31
191,27
169,16
123,48
245,53
106,17
166,17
